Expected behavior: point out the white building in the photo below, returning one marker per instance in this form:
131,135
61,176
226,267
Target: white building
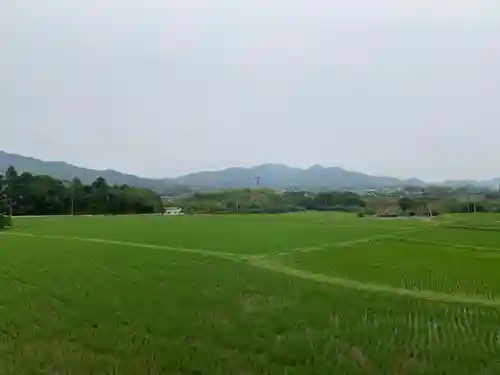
173,211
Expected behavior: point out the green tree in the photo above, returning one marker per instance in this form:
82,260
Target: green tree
406,204
78,195
46,195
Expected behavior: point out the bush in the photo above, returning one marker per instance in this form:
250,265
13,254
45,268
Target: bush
5,222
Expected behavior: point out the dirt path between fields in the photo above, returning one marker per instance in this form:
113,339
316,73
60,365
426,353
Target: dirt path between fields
447,244
374,288
126,243
266,264
347,243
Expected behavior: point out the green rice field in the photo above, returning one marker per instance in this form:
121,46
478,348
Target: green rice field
293,294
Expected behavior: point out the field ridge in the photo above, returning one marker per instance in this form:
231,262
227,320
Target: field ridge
262,263
347,243
445,244
373,287
126,243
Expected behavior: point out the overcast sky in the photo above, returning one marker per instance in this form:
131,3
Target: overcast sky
161,88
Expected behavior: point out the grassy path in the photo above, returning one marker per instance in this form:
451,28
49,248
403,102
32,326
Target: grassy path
375,288
127,243
446,244
263,262
348,243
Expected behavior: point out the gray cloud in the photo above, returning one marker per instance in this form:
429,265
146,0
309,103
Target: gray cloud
161,88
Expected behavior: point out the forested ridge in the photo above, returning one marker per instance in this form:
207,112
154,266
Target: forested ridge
28,194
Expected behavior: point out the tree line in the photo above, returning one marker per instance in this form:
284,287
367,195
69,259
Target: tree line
28,194
267,201
271,201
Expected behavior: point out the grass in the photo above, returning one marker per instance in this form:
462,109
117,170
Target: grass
174,302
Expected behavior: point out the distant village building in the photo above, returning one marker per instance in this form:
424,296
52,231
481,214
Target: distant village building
173,211
370,192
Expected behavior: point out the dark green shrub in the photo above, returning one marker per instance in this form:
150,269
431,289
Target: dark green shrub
5,222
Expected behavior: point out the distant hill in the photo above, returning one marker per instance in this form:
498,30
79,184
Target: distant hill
270,175
282,177
65,171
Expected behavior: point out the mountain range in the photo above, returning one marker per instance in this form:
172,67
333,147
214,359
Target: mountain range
283,177
268,175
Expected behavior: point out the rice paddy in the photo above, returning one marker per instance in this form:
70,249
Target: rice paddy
309,293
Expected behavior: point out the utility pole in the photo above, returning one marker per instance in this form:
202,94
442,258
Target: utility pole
71,186
72,200
72,190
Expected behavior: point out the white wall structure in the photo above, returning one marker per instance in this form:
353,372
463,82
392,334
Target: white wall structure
173,211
